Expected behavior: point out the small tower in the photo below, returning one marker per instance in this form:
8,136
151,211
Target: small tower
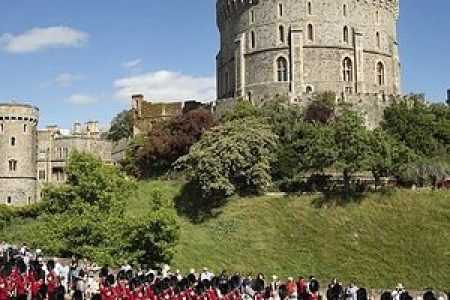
18,137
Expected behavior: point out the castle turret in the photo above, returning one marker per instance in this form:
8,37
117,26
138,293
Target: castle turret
18,135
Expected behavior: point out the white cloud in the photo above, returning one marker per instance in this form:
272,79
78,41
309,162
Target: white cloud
82,99
131,63
41,38
66,79
167,86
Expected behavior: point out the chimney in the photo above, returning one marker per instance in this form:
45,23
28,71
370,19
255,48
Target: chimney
92,127
77,128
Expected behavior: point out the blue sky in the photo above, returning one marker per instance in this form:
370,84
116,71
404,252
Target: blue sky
80,59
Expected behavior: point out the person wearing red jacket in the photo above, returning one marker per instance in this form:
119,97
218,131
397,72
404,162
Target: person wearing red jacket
52,282
107,292
4,292
21,287
35,289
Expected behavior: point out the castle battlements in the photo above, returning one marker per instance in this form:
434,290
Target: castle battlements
226,8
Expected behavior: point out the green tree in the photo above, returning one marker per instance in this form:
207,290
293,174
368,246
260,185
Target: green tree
388,157
233,157
412,122
351,140
86,217
121,126
241,110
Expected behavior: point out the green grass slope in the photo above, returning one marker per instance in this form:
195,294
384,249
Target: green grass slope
403,236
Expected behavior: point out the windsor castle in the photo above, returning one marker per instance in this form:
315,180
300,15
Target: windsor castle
268,48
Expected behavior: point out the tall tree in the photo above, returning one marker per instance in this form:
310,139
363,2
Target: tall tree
351,141
412,122
121,126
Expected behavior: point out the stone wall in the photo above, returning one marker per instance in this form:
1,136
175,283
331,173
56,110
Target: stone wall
54,150
145,113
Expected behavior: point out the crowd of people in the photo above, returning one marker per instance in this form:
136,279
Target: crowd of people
27,275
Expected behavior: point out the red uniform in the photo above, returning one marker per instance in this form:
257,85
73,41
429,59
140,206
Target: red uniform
138,294
21,285
35,287
52,282
107,293
4,291
301,287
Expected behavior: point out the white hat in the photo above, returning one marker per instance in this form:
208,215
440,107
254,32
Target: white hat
274,277
191,271
290,279
205,269
400,286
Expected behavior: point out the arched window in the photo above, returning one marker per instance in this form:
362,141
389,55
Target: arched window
252,40
9,200
13,141
281,34
345,34
310,32
2,127
344,10
282,69
378,40
380,73
309,8
12,165
347,70
280,10
309,89
25,128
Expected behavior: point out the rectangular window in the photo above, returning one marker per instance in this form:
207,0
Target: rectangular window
1,127
41,174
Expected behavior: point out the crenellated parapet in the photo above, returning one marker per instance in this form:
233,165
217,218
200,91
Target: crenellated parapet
225,8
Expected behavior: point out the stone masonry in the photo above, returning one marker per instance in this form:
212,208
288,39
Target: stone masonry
294,48
18,132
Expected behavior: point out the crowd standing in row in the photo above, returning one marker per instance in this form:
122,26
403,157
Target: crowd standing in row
29,276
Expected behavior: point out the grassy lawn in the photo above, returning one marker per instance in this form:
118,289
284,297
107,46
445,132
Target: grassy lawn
383,239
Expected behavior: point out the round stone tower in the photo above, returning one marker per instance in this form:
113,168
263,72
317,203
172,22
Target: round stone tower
296,47
18,135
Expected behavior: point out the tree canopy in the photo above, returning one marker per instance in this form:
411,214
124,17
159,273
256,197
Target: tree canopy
231,158
121,126
85,217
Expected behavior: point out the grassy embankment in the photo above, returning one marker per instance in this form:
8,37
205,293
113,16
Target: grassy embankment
402,236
